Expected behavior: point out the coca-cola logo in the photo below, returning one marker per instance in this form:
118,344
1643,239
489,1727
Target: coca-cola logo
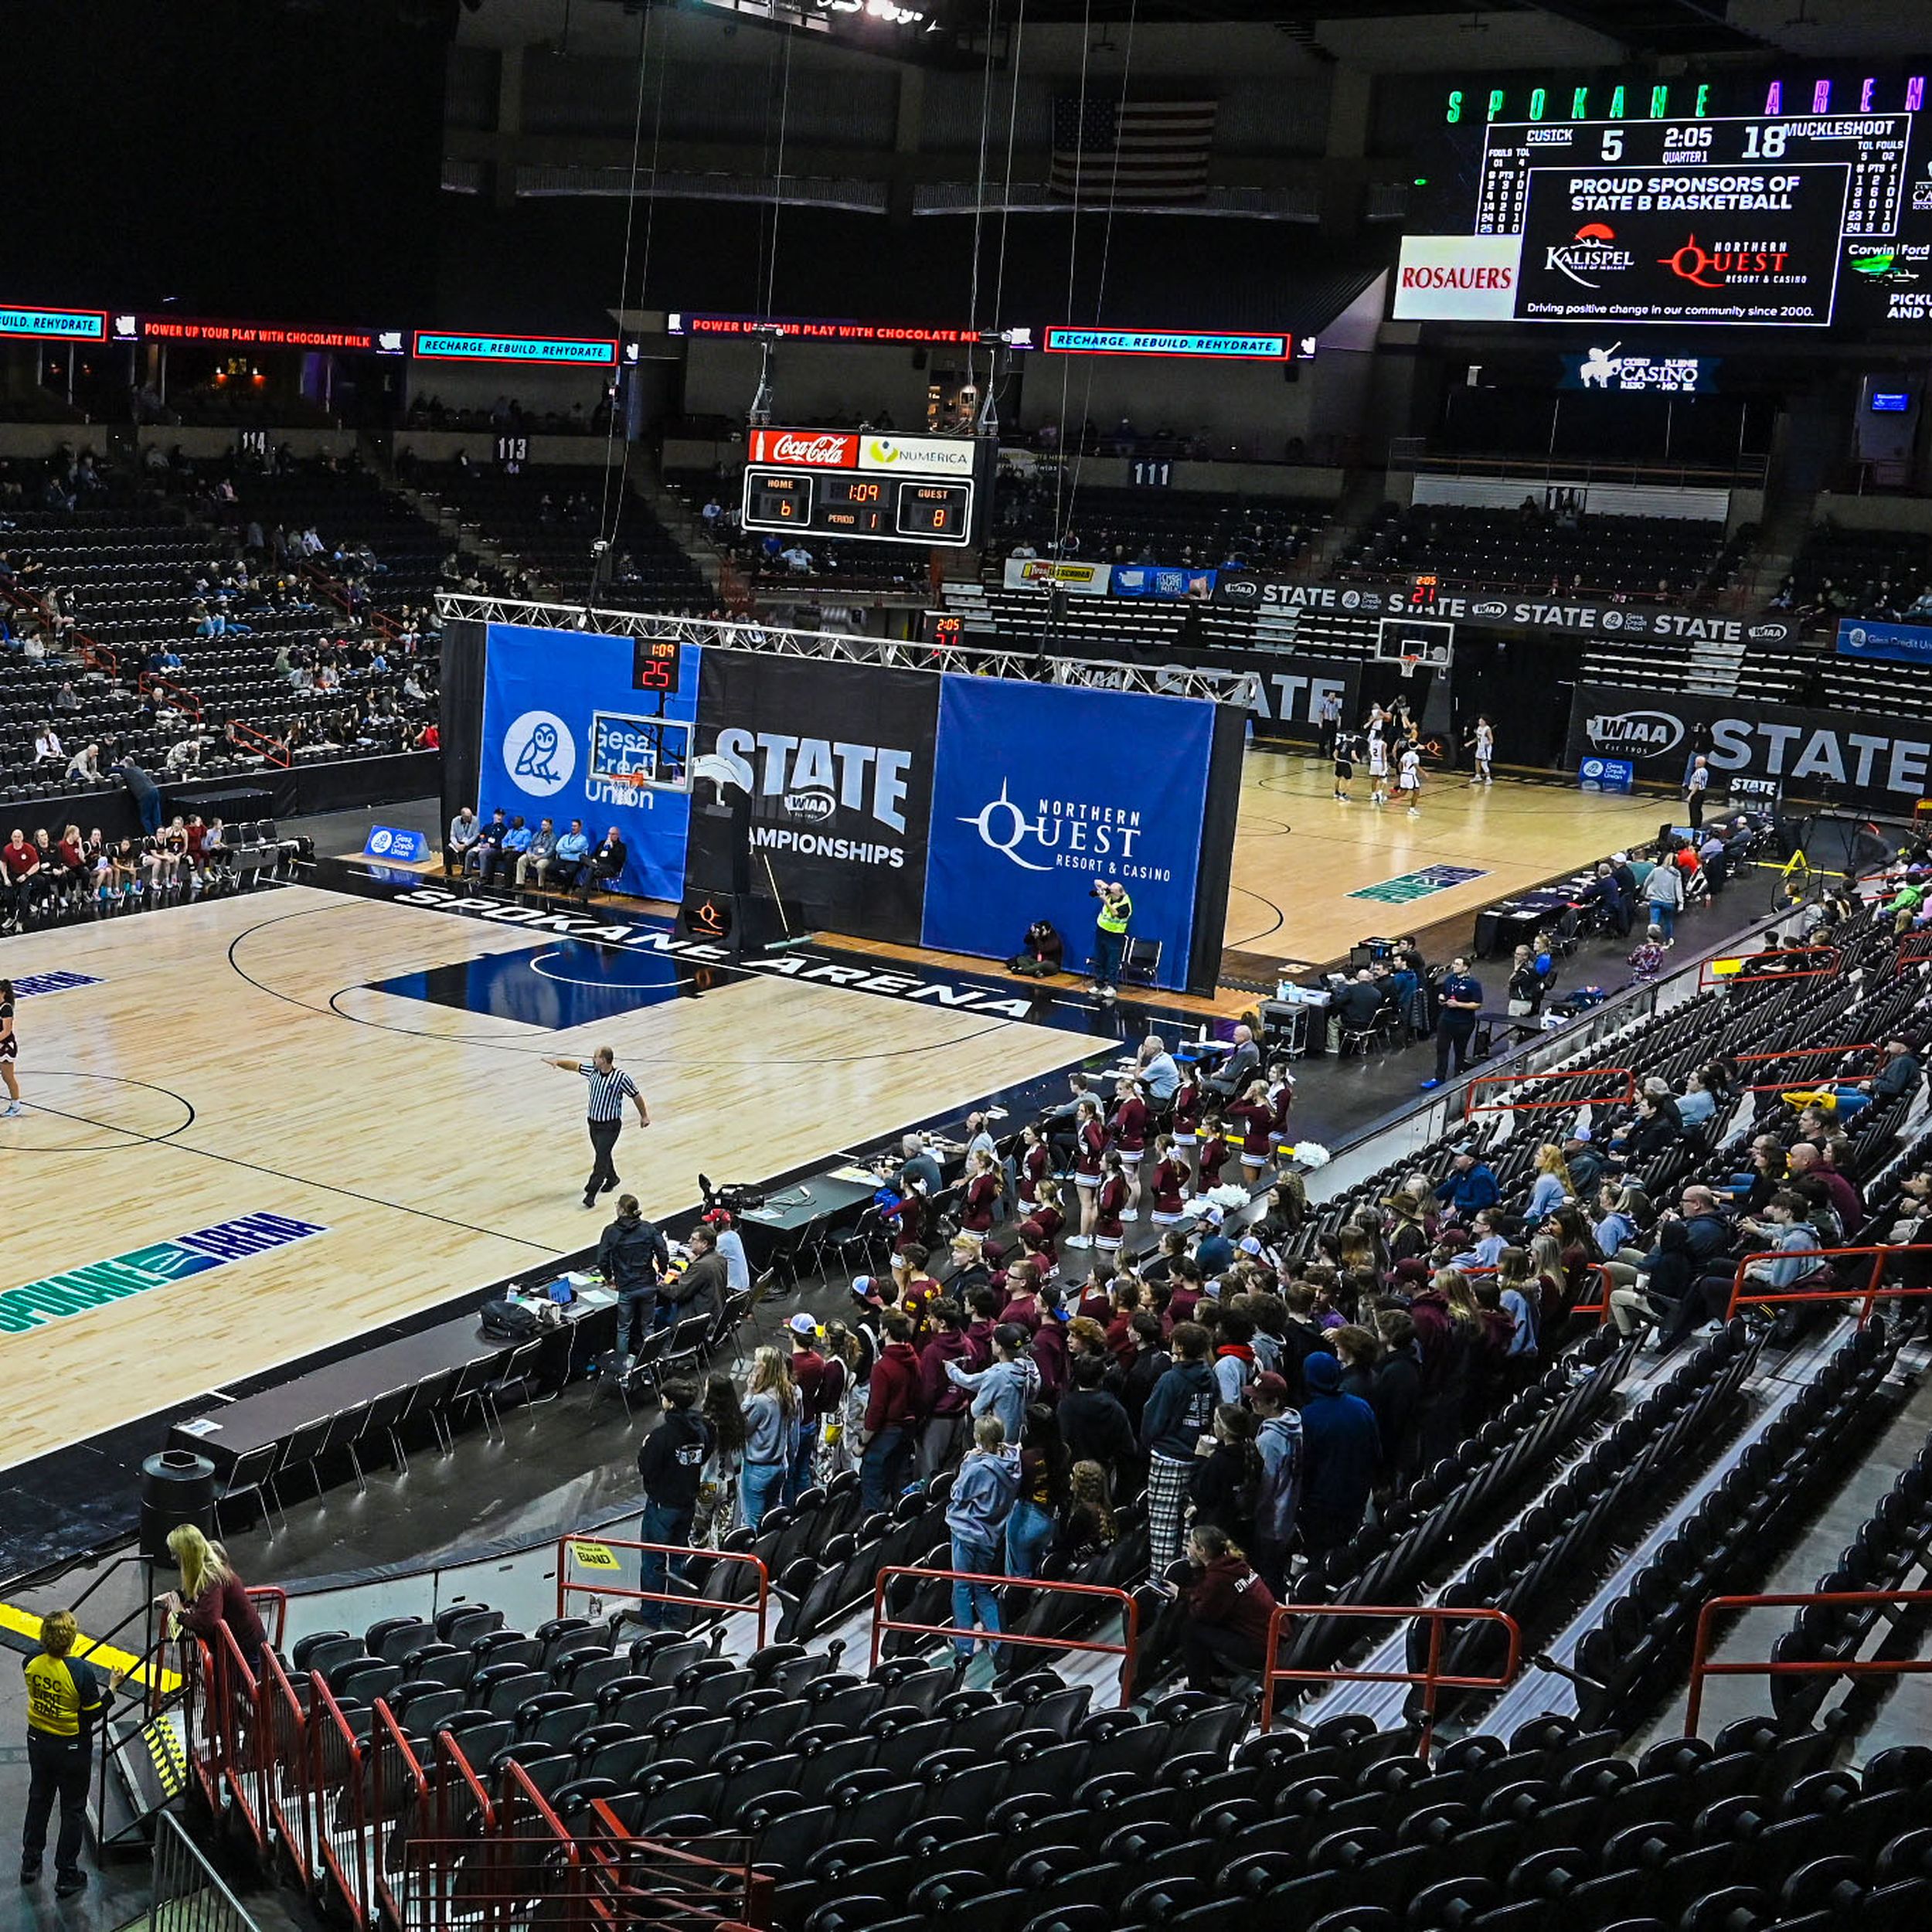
809,449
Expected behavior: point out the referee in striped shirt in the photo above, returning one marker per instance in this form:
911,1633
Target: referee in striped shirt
609,1089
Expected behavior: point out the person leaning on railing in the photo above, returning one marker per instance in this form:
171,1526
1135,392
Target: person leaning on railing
211,1594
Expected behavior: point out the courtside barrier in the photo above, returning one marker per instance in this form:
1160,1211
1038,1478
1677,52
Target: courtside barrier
1701,1667
1745,1297
1125,1649
1627,1090
597,1554
1432,1677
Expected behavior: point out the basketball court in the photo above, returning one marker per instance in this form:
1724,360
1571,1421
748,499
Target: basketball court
366,1072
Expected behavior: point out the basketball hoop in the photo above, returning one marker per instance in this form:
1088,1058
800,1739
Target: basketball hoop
1410,666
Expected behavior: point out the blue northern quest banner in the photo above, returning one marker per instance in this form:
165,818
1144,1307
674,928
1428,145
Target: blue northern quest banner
1042,790
1888,643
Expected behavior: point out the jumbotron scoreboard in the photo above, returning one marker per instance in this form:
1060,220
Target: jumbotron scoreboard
1804,203
868,488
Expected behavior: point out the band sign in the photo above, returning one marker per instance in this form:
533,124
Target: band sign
595,1555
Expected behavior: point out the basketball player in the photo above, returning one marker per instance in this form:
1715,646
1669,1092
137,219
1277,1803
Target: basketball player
1409,778
1485,744
1378,769
1344,765
9,1050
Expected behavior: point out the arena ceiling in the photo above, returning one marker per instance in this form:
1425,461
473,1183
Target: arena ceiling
1376,36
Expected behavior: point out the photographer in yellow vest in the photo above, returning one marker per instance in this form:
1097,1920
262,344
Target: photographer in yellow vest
1109,934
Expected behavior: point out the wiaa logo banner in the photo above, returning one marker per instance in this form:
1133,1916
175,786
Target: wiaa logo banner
1042,791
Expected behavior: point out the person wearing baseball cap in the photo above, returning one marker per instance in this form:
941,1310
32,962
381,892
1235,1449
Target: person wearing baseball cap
808,1371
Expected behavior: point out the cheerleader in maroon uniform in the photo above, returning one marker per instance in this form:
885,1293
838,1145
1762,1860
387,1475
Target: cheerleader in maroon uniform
1109,1203
982,1201
1036,1163
1044,1224
1167,1181
1210,1154
1090,1145
1126,1134
1252,1118
1281,1098
1185,1123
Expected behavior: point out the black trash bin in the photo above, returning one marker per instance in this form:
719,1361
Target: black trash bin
177,1486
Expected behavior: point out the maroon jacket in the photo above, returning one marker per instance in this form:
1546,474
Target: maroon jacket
1230,1597
1049,1357
893,1402
979,1342
938,1393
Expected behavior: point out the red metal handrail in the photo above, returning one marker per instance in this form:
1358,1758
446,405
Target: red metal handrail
387,1809
1701,1667
275,750
340,1847
1125,1649
1913,949
1471,1108
1797,1053
1830,960
1869,1295
759,1606
154,681
238,1698
1431,1676
284,1727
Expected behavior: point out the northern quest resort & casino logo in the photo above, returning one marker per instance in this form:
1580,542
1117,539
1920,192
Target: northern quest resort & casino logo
1065,835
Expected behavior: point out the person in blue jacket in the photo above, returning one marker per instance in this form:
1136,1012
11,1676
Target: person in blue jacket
1341,1446
1470,1185
977,1507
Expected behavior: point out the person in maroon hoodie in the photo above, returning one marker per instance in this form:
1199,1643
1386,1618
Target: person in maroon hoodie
1229,1609
808,1371
891,1416
985,1304
945,1401
1023,1306
1110,1205
1120,1330
1049,1357
1186,1297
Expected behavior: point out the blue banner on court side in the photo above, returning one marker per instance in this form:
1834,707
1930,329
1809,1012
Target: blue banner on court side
1042,791
567,734
1892,643
394,841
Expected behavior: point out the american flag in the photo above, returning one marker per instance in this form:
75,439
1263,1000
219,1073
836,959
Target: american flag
1130,151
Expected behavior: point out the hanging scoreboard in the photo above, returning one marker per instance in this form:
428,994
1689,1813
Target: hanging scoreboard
869,489
1802,203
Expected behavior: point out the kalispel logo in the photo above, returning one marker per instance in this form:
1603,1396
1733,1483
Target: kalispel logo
1591,252
539,754
1642,734
1068,834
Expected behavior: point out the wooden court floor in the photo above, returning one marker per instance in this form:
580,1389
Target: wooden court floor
1299,852
231,1059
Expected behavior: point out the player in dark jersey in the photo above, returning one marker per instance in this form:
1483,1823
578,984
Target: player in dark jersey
9,1050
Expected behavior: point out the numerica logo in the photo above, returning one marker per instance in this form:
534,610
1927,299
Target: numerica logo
812,449
1593,250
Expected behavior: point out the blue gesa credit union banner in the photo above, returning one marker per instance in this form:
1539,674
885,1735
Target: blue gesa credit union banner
1041,791
568,733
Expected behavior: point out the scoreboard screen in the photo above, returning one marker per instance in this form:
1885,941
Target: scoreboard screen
1800,205
927,490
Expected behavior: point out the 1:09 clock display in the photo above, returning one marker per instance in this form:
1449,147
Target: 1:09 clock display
879,508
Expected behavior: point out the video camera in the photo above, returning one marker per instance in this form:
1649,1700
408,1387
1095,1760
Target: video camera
734,1197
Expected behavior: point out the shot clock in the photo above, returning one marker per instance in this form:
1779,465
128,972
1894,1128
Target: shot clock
656,664
923,489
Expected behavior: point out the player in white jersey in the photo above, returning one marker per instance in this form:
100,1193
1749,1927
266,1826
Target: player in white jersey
1409,778
1485,744
1378,769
